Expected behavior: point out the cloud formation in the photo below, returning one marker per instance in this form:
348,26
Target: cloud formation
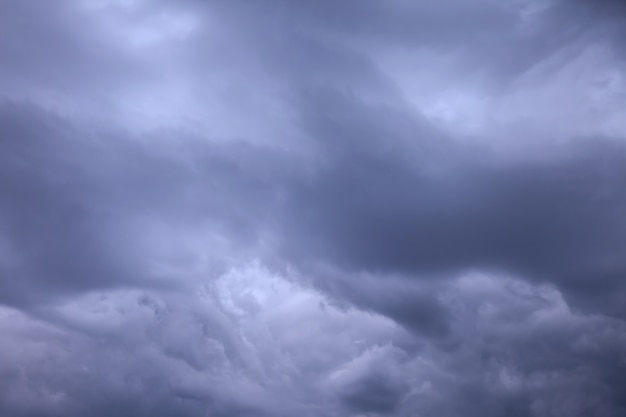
275,208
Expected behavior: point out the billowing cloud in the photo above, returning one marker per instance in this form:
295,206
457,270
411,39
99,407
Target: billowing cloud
275,208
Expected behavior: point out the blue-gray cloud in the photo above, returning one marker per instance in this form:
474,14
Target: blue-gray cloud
284,208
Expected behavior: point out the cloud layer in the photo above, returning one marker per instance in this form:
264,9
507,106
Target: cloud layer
276,208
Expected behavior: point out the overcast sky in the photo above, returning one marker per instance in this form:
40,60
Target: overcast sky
316,208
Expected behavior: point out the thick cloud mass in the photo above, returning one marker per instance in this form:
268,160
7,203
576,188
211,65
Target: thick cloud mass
312,208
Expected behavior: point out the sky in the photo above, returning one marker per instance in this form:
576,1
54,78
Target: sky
316,208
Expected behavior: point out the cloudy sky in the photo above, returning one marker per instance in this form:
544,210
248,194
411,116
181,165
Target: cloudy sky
316,208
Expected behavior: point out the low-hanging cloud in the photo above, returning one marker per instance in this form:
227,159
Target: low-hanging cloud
225,208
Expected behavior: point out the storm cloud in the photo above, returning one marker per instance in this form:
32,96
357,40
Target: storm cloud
315,208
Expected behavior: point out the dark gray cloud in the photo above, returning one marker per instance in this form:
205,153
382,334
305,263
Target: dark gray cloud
335,209
556,221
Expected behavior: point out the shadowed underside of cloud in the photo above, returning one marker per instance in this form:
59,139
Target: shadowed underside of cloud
312,208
